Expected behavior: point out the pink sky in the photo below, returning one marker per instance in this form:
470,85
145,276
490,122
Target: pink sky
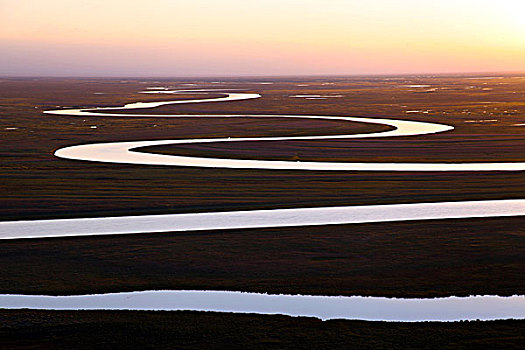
271,37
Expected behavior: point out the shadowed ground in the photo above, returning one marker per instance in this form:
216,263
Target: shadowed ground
191,330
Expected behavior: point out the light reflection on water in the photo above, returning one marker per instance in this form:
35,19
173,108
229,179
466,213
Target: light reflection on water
123,152
323,307
259,219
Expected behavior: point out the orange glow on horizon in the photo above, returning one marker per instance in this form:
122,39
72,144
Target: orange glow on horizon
260,38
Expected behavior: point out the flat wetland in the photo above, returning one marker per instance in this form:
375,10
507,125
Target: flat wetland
407,259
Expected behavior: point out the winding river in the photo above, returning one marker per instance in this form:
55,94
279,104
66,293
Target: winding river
123,152
324,307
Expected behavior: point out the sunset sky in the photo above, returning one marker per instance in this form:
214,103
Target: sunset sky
270,37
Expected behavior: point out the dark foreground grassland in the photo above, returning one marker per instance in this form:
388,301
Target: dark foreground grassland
409,259
22,329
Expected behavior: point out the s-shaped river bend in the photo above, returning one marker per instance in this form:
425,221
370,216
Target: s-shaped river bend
366,308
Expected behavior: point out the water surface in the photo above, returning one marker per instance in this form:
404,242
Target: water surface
323,307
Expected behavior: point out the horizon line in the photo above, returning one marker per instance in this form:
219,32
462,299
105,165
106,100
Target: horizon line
504,73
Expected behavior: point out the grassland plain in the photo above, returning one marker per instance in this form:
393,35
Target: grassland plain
26,329
411,259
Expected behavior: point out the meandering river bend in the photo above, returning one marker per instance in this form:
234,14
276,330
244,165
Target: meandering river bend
324,307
